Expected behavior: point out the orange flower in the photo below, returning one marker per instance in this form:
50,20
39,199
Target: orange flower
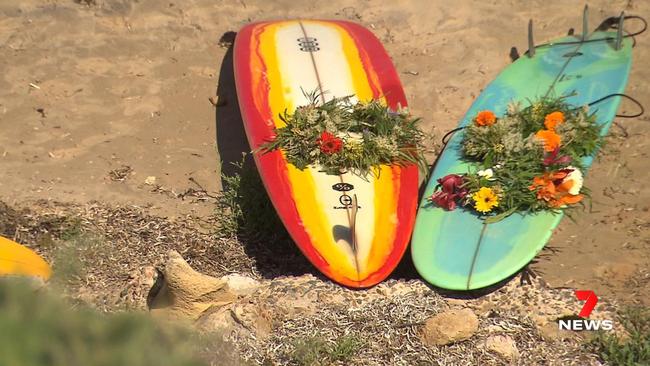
485,118
554,189
552,120
551,139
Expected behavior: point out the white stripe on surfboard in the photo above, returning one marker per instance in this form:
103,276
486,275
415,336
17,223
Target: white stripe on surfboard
296,70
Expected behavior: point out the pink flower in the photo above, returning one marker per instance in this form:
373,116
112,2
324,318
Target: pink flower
552,158
451,182
451,190
444,200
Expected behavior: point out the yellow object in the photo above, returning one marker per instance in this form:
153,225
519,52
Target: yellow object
485,200
16,259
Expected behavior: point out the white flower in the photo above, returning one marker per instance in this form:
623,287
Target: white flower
487,173
577,178
352,136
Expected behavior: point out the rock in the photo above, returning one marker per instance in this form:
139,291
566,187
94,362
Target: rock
449,327
188,293
502,345
150,180
244,319
241,285
295,306
253,318
217,320
142,282
550,332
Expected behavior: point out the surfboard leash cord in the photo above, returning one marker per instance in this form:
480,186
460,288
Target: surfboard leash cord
641,112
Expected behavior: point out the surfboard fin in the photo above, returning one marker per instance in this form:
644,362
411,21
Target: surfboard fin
531,42
585,23
619,32
514,54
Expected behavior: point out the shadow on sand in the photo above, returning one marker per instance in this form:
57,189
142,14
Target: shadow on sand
261,232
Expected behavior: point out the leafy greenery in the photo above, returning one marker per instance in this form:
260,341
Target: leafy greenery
244,208
633,351
40,329
341,135
528,160
317,351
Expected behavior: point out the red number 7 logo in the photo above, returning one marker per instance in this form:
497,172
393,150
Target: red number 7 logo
590,299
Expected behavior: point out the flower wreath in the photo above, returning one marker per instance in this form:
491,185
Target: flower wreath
341,135
528,160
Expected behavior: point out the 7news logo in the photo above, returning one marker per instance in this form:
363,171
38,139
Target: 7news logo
582,323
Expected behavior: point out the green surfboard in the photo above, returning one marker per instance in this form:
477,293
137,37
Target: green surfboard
456,249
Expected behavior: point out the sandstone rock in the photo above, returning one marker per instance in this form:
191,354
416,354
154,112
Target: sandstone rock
550,332
217,320
449,327
237,318
241,285
502,345
188,293
253,318
135,295
295,306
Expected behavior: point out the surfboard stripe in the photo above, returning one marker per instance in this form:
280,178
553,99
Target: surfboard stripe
269,75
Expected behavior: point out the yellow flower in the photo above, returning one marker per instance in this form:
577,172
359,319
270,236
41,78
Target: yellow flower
355,149
485,199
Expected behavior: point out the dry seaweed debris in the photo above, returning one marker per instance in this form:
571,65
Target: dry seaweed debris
387,320
113,242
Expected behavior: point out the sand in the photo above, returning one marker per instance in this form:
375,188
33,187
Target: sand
97,97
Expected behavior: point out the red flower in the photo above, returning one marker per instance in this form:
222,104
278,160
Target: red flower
552,158
329,144
450,190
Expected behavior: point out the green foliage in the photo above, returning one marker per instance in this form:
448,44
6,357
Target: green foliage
633,351
369,135
244,208
345,348
38,329
314,351
229,212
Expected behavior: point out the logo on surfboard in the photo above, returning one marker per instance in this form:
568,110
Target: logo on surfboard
308,44
345,199
343,187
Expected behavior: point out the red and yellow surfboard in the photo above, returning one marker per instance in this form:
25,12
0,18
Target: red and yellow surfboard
274,63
